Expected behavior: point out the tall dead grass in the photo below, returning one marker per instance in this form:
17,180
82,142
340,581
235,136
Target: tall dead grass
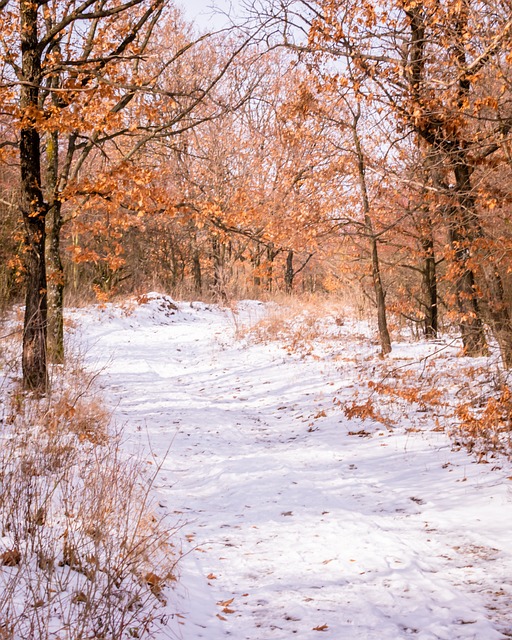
82,552
300,324
440,391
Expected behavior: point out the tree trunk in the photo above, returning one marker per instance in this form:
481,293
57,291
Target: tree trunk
496,306
380,296
196,271
217,263
257,264
464,227
460,216
55,288
471,327
53,257
197,276
219,285
289,273
499,316
271,254
33,207
430,327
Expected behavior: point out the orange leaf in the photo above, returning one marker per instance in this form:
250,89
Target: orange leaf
225,603
324,627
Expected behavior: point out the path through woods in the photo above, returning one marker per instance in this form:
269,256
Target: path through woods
291,526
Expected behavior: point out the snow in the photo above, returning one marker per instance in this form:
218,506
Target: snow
289,526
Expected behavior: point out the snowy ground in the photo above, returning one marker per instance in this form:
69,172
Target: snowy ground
291,527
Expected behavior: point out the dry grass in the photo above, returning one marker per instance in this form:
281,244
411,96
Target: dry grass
82,552
300,324
471,402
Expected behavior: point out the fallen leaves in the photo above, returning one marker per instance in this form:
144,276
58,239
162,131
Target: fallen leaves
225,607
155,583
361,434
10,558
322,627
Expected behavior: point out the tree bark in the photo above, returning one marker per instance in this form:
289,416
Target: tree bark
197,276
217,263
271,254
430,326
471,327
380,296
218,254
499,315
461,216
496,308
53,258
289,274
256,260
196,271
33,207
463,227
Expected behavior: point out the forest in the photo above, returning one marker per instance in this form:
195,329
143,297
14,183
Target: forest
255,320
354,149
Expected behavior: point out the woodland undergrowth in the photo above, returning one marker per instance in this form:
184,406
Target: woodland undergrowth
427,387
471,403
82,552
303,326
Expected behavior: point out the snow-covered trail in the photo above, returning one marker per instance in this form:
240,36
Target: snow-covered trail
294,528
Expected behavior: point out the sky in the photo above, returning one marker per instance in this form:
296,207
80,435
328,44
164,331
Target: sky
207,13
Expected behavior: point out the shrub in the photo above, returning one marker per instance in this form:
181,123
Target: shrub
82,553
